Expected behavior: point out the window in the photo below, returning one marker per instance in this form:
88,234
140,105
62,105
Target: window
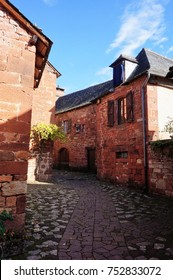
111,113
123,154
121,110
126,109
66,126
129,105
118,74
79,127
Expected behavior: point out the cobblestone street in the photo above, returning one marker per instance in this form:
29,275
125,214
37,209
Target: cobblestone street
79,217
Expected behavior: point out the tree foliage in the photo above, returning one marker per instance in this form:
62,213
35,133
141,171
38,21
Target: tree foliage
42,132
169,127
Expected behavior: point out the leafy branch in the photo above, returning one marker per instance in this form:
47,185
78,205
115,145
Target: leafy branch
42,132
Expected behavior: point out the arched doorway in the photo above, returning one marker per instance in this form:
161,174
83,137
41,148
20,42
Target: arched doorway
64,159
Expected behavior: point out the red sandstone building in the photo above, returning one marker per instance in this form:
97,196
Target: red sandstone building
109,126
27,90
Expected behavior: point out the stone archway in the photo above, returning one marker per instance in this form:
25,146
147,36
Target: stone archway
64,159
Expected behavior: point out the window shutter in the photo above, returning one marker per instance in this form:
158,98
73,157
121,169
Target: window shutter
60,124
116,112
111,114
69,126
130,107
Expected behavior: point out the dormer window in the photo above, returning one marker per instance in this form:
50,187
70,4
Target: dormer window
170,73
118,74
122,69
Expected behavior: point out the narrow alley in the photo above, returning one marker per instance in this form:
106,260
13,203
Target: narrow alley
79,217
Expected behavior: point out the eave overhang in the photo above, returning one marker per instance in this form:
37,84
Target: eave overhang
42,43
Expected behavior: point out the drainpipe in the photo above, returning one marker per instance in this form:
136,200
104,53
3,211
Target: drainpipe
145,133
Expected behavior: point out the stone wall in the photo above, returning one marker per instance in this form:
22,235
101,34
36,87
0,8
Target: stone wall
41,163
17,62
160,167
44,98
43,111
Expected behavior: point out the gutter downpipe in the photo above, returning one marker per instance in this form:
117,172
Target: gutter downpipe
146,189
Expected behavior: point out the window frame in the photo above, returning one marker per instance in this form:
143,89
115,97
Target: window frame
122,154
67,126
130,106
125,109
110,113
79,127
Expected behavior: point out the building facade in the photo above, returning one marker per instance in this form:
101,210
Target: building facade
24,50
127,115
77,114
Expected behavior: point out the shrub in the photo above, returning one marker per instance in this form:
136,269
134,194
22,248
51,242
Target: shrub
4,215
42,132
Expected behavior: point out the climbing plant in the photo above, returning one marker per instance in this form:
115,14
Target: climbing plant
41,132
159,145
4,215
169,127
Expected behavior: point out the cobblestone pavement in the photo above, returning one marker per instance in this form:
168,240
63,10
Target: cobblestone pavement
79,217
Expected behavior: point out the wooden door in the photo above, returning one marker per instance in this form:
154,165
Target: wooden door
63,159
91,157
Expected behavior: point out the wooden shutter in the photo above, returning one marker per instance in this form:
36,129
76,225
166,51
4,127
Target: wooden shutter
60,124
130,107
111,114
69,126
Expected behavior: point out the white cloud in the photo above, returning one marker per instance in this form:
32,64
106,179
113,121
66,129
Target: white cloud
170,49
106,71
50,3
141,22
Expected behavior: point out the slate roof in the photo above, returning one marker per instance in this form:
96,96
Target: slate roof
123,57
83,97
146,61
151,62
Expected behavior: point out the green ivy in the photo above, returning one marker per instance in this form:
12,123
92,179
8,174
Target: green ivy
3,217
42,132
161,144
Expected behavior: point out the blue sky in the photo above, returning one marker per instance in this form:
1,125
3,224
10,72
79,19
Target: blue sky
88,35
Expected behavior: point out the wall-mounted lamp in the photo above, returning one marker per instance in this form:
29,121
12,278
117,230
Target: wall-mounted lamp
98,101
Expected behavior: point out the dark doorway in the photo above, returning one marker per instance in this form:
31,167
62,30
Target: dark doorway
64,159
91,159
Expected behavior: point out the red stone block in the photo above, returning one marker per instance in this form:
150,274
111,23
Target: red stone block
15,126
21,155
20,177
20,204
5,178
18,168
2,201
11,201
6,156
14,146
